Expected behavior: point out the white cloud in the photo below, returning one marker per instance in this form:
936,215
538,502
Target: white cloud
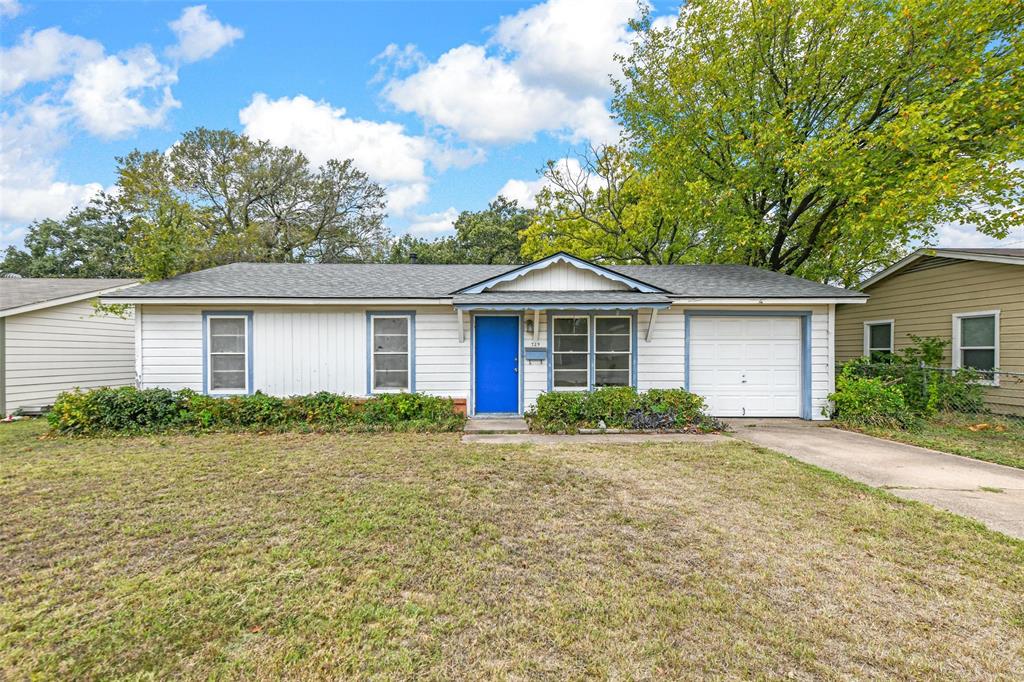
953,235
570,44
547,69
384,150
109,96
434,223
10,8
200,36
29,189
44,55
525,191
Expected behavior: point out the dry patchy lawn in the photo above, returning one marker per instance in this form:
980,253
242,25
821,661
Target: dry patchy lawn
397,556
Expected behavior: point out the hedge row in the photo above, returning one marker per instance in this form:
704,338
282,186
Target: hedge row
130,410
621,408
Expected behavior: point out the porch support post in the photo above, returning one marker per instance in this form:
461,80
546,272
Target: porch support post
536,324
462,327
650,325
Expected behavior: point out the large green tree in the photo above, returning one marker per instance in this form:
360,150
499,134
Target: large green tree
215,197
808,136
490,236
89,242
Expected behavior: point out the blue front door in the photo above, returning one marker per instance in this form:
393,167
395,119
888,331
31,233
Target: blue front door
496,386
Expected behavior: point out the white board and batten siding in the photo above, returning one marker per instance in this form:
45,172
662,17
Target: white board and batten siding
301,350
63,347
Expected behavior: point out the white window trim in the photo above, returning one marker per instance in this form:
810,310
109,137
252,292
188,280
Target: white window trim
210,317
957,317
867,335
408,352
629,353
585,354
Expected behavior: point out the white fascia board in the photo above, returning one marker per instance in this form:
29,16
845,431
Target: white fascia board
53,302
768,301
368,302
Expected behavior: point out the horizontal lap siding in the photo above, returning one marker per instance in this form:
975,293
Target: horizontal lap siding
301,350
535,379
442,361
64,347
172,347
660,361
924,302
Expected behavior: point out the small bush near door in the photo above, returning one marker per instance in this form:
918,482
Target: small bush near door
621,408
130,410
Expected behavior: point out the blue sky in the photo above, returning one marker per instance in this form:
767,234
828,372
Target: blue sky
445,103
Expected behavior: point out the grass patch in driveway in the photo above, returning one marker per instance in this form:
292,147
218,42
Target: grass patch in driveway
1002,441
398,555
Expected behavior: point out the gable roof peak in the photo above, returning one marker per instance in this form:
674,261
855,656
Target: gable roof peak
560,257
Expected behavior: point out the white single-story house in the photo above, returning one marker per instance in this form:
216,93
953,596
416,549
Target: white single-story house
752,342
52,339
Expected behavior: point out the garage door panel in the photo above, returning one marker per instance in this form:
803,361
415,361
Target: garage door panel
747,366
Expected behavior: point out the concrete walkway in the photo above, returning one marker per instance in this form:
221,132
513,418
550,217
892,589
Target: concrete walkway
950,482
560,439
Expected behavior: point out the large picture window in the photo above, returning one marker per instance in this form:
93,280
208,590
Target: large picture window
390,362
613,338
227,346
590,351
976,342
570,353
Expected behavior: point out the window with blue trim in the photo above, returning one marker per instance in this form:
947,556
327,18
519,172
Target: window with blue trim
228,349
390,364
591,351
613,352
570,354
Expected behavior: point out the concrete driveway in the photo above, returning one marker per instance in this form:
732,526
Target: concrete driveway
990,493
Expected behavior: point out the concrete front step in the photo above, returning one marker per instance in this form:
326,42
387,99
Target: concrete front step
496,425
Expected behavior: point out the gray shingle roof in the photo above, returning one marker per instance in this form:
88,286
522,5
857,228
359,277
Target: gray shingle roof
302,280
16,292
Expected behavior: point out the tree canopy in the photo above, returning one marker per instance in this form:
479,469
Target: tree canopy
215,197
805,136
489,236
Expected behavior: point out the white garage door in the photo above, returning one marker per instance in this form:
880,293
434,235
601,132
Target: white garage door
746,366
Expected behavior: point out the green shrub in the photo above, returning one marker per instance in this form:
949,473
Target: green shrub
620,407
869,401
129,410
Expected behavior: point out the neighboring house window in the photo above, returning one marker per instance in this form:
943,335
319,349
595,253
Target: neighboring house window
612,351
976,343
227,346
878,339
570,354
390,361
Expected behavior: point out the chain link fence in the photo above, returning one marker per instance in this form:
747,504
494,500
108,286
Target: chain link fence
929,389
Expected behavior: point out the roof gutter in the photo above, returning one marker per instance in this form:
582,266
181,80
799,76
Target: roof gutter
243,300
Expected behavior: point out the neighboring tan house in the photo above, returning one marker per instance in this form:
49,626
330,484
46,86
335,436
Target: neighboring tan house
52,340
974,298
753,342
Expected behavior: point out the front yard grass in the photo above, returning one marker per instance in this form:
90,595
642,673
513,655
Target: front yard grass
409,555
999,440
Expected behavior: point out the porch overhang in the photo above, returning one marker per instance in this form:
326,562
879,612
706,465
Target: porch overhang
560,300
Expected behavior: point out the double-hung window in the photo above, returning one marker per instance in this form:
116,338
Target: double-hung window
591,351
976,343
613,339
570,354
878,339
390,359
227,344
